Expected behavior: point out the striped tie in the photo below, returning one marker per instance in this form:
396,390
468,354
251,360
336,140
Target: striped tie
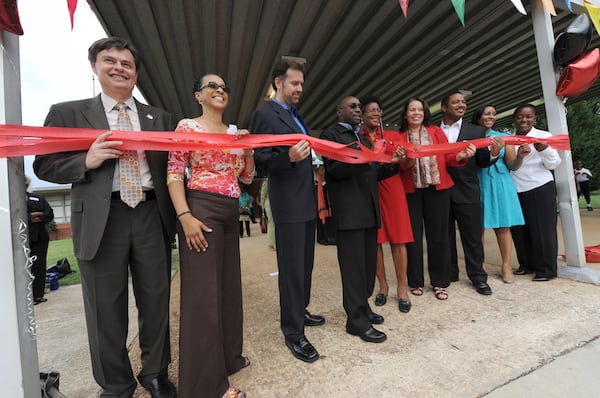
129,167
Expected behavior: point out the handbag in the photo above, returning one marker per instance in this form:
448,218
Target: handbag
264,221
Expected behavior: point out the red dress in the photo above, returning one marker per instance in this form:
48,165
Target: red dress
395,221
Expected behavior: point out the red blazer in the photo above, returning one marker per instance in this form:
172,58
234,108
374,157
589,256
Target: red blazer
449,159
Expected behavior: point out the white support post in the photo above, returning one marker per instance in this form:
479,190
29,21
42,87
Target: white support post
557,124
19,370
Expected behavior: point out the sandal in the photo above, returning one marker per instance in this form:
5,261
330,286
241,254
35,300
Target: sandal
246,362
233,392
417,291
440,293
380,299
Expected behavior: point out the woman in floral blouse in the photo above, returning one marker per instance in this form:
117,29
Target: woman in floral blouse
207,211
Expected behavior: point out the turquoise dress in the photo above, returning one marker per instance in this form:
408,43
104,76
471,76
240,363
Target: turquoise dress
499,201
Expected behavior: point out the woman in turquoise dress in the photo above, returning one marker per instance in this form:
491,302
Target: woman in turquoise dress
499,201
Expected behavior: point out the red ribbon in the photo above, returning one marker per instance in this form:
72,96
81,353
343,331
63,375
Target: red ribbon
17,140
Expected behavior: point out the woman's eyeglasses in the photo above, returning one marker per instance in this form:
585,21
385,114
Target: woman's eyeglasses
215,86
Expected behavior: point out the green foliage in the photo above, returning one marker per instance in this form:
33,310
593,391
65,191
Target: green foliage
584,132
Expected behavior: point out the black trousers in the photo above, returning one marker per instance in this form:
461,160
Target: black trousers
430,208
536,242
584,188
39,249
357,257
295,259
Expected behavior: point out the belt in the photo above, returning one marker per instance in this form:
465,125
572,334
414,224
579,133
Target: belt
146,195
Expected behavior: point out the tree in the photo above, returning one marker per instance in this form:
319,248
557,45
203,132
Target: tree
583,119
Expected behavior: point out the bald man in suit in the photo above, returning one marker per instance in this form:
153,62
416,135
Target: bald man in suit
112,238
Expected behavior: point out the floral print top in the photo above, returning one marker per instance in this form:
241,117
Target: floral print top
214,171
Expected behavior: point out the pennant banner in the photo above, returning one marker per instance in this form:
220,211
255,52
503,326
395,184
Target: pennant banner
568,3
17,140
459,7
404,7
71,5
594,13
519,6
9,17
549,7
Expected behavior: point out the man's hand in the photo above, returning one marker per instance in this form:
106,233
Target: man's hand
101,150
299,151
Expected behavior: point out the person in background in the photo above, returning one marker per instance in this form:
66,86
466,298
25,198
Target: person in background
499,201
39,214
427,185
356,217
395,220
536,242
266,205
245,217
583,176
122,221
293,204
207,208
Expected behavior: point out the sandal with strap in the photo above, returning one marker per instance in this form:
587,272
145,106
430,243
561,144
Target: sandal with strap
440,293
417,291
233,392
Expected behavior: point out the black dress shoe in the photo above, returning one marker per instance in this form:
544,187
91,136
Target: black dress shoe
371,335
375,319
483,288
404,305
313,320
380,299
161,387
302,349
522,271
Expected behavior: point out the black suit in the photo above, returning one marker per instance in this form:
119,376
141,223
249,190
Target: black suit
110,239
465,208
354,204
294,207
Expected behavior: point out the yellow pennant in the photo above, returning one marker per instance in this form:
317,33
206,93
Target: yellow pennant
549,6
594,13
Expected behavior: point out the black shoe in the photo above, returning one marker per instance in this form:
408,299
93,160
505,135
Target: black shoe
375,319
161,387
313,320
522,271
483,288
380,299
372,335
404,305
302,349
39,300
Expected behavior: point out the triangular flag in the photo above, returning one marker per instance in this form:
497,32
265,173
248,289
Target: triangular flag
9,17
594,13
549,6
72,5
404,6
568,2
519,6
459,7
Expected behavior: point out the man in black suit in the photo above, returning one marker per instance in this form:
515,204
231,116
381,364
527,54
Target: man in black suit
112,237
354,204
465,207
293,204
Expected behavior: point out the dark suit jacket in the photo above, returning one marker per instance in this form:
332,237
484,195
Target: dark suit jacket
91,189
352,188
291,184
466,183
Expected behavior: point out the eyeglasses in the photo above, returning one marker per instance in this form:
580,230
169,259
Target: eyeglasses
371,111
354,105
215,86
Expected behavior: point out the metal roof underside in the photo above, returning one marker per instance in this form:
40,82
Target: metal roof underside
352,47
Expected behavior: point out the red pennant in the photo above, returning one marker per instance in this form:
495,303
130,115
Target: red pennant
404,6
72,5
9,17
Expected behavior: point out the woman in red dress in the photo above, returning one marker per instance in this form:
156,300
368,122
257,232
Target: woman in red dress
395,222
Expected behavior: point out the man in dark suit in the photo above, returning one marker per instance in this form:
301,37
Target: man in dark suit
354,201
465,209
112,237
293,204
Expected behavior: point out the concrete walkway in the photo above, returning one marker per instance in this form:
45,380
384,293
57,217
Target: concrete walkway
526,340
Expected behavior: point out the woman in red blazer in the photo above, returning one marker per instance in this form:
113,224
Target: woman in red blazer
426,182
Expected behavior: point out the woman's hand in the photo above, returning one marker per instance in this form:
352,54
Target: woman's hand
497,145
399,154
466,153
540,146
193,230
239,133
523,150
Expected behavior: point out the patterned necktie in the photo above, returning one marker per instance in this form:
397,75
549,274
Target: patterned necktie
129,167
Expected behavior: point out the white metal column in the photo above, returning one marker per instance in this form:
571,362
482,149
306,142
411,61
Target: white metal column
19,372
557,124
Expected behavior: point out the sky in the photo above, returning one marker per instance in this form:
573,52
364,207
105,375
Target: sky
53,58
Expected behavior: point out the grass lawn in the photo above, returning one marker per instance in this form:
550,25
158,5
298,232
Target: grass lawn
64,248
595,199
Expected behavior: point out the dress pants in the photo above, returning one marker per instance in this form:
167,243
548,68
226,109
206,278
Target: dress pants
211,337
430,208
469,220
357,257
295,259
536,242
39,249
133,241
